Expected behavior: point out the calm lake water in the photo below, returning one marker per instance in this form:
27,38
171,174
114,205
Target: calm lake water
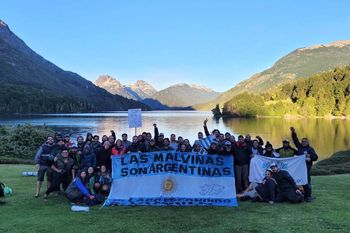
326,136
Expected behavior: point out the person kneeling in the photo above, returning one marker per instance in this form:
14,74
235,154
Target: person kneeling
77,192
266,191
102,182
287,189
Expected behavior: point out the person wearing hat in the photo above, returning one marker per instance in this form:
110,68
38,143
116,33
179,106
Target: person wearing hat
287,189
286,150
227,149
311,156
269,151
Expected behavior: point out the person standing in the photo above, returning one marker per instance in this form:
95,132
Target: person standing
304,148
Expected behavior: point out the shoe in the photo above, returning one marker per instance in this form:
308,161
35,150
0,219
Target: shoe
45,197
36,195
309,199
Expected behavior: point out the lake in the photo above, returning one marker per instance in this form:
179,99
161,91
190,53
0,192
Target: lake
326,136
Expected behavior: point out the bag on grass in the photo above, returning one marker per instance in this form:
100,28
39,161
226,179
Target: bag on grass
5,191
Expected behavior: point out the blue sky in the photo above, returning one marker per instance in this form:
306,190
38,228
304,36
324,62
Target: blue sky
216,43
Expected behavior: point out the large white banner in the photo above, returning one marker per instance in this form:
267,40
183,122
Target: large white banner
172,178
296,166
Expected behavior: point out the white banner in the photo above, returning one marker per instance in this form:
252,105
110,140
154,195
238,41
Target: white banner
296,166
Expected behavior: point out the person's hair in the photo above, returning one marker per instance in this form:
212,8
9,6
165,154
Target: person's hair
124,134
240,136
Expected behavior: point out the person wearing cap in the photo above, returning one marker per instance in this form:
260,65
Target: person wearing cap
286,150
269,151
197,148
227,149
287,189
304,148
73,153
242,156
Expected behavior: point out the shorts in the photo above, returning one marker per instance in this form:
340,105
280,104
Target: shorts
41,173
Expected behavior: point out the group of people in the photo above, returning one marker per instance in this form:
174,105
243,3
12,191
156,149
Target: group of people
83,169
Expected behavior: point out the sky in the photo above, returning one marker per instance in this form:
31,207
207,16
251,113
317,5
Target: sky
215,43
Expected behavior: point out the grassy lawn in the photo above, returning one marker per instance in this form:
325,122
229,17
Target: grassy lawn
330,212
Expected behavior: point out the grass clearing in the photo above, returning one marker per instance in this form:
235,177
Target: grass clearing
23,213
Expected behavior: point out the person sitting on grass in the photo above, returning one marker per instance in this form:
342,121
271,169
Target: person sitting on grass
287,190
77,192
103,182
266,191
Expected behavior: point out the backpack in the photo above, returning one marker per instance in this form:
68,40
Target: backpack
5,191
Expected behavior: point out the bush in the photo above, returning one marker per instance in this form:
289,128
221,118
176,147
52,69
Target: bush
22,141
339,163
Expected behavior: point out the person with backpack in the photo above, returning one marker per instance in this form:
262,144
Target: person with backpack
43,160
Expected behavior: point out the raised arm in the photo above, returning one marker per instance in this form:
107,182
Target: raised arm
295,138
156,132
206,128
261,142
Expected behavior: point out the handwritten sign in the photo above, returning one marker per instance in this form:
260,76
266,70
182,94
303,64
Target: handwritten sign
135,118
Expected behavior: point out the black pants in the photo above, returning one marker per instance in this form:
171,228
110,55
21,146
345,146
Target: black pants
307,187
289,196
267,191
56,182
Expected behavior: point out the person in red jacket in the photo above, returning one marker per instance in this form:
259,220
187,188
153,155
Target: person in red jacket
118,148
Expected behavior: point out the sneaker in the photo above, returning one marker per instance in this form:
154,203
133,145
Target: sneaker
36,195
45,197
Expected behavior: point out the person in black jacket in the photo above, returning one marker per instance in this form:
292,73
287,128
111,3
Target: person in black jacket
242,156
135,146
266,191
103,156
311,156
287,189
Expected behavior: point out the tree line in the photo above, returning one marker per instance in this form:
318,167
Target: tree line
320,95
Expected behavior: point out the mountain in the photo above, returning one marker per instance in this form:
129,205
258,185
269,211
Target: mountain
137,91
300,63
179,96
21,67
184,95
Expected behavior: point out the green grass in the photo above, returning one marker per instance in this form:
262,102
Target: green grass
23,213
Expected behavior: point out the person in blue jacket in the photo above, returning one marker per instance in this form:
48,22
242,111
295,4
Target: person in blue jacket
311,156
77,191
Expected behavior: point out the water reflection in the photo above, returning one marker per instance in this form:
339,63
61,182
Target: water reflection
326,136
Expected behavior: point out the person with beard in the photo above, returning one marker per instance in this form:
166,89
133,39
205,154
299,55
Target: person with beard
135,146
166,145
62,172
152,147
286,150
197,148
80,144
311,156
43,160
76,156
58,147
96,145
242,156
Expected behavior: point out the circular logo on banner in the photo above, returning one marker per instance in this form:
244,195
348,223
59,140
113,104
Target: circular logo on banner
168,185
